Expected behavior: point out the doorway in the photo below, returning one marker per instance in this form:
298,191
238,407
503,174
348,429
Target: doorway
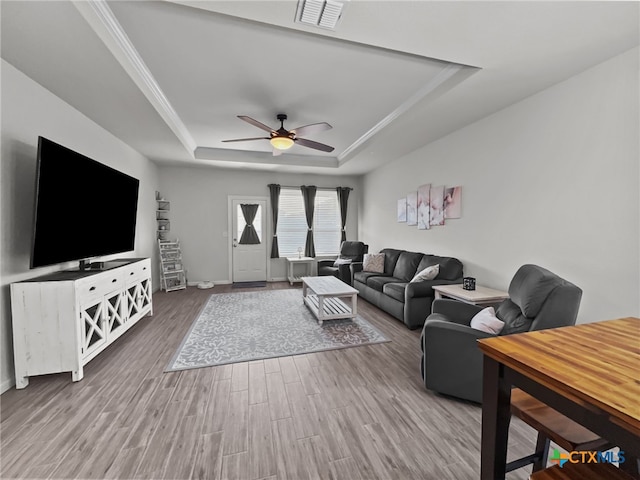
248,239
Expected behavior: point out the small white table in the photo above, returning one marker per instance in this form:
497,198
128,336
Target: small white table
292,262
481,296
322,296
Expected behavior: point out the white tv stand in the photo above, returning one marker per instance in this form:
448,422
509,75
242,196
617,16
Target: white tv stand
63,320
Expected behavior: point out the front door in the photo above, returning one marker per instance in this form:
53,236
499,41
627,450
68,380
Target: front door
249,251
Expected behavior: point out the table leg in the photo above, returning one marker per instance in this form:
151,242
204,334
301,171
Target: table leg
437,295
496,414
320,309
354,305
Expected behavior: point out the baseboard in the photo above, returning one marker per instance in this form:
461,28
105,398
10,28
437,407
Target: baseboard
215,282
229,282
7,385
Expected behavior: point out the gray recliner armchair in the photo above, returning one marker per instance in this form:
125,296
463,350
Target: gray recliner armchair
350,251
451,359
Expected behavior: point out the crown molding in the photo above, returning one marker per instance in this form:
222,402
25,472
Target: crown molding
102,20
245,156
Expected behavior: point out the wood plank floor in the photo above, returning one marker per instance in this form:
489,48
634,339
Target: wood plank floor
355,413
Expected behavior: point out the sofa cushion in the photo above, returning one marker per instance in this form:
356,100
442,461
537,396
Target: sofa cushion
363,276
395,290
450,268
378,282
390,258
406,265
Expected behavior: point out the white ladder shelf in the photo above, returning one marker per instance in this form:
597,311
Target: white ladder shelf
172,276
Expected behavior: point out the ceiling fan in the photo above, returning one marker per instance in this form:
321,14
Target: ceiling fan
283,139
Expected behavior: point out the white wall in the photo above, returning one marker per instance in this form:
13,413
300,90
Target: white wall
552,180
199,212
28,110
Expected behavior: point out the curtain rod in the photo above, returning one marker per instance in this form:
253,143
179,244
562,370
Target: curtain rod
318,188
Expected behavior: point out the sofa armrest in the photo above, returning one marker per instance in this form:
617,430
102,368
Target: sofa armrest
462,312
356,267
425,287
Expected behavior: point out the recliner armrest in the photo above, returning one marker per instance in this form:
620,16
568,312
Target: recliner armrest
455,309
356,267
444,329
325,263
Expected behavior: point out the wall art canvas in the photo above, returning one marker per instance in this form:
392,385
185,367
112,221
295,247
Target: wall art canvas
436,205
423,206
453,202
412,208
402,210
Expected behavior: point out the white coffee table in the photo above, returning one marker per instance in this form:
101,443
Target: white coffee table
323,297
481,296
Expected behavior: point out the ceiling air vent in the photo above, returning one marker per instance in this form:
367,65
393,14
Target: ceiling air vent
320,13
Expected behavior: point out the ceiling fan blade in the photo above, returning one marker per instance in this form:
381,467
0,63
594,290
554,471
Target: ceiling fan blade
312,144
245,139
255,123
313,128
276,152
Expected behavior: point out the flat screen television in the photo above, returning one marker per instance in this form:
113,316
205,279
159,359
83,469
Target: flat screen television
83,208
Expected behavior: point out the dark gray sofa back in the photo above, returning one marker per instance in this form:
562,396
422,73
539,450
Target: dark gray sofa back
406,265
390,258
450,268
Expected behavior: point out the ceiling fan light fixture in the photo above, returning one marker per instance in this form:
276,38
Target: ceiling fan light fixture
281,143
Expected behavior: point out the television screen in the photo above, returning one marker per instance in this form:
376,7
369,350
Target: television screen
83,208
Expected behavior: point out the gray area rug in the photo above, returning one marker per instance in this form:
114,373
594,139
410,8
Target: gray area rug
237,327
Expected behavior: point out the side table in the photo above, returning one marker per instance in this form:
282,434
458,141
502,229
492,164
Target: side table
481,296
292,262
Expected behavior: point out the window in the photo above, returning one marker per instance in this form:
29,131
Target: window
292,222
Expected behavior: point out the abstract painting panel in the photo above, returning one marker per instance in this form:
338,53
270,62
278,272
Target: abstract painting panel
412,208
453,202
423,206
402,210
436,205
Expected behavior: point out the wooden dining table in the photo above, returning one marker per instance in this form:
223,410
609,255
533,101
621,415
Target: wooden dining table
588,372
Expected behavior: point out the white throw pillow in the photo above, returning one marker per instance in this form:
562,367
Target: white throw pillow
428,273
342,261
486,321
373,262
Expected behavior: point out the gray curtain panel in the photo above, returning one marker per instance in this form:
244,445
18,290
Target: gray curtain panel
249,234
343,201
274,193
309,197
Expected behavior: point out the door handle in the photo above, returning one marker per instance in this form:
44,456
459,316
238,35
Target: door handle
235,242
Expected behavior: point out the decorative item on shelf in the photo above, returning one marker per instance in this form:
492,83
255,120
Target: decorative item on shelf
299,252
163,208
469,283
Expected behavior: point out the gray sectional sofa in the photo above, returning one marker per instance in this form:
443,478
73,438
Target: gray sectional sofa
391,291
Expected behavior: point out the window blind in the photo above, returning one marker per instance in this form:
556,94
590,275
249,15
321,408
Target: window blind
292,223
